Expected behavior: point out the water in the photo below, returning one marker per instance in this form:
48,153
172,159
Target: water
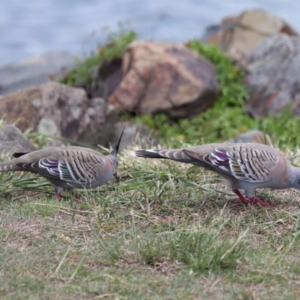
33,27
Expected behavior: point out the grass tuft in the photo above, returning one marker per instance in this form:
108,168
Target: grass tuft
160,230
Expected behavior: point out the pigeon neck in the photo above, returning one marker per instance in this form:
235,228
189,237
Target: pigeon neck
113,160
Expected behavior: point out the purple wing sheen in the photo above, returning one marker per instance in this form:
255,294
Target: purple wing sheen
219,157
65,171
52,166
238,167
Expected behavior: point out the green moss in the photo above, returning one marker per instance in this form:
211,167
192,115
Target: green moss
227,118
230,77
224,120
83,73
283,129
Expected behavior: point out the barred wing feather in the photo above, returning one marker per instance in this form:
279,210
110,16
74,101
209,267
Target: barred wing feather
243,163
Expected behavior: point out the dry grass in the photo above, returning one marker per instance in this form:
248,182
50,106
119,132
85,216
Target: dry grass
161,230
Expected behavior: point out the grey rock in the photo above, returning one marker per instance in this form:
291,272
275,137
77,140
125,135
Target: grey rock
251,136
134,134
12,140
101,126
238,35
273,77
47,127
60,111
34,71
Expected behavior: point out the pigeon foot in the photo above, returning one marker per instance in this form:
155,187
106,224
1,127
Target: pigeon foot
251,201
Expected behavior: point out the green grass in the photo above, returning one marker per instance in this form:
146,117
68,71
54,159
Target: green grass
161,230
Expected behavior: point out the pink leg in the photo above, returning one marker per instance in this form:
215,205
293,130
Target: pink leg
58,196
253,200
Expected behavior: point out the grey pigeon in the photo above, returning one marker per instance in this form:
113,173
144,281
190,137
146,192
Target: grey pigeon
67,167
245,166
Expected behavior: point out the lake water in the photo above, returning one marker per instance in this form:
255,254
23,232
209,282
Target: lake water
32,27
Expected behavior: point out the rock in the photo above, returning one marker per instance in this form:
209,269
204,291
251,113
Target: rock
99,79
273,78
106,79
251,136
12,140
240,34
102,121
134,134
34,71
58,110
161,77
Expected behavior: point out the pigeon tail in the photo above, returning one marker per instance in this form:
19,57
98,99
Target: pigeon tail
9,166
148,153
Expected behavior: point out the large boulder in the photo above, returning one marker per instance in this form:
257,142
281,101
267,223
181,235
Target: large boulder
162,77
238,35
273,76
61,111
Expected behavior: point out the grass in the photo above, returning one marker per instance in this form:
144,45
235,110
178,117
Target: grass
161,230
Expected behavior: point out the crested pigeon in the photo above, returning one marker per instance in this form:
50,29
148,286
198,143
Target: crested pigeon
67,167
245,166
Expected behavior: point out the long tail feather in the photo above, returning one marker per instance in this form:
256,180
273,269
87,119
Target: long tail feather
148,153
8,166
173,154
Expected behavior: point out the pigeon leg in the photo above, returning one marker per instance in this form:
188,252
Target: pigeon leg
58,190
58,196
256,200
253,200
241,197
